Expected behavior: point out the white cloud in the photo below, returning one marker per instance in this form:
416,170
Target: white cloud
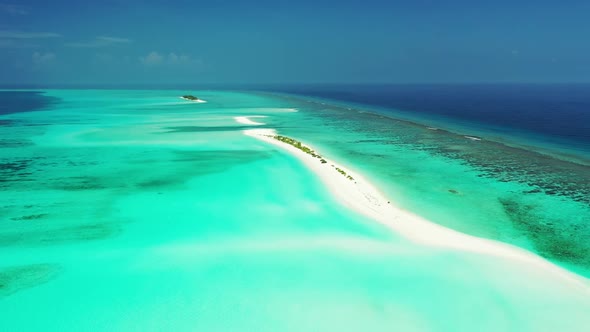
20,39
100,41
43,58
10,43
14,10
27,35
152,59
178,59
155,58
114,39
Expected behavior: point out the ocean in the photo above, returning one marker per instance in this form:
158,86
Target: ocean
550,116
135,210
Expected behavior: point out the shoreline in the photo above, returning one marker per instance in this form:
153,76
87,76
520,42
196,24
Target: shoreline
364,198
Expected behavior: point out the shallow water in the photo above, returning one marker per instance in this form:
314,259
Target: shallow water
134,210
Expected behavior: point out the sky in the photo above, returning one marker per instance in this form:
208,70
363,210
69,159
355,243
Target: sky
262,42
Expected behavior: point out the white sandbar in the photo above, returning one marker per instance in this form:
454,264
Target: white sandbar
246,120
360,195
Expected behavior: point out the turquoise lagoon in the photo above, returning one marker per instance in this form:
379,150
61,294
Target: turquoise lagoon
135,210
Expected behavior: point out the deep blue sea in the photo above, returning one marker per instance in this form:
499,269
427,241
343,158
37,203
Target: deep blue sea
554,116
24,101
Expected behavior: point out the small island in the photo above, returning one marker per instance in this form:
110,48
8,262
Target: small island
309,151
193,98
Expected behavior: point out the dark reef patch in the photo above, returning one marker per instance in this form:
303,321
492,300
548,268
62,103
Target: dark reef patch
14,143
18,278
84,232
15,170
158,183
15,166
550,238
79,183
30,217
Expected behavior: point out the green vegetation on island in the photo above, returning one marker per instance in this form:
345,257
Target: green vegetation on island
341,171
309,151
190,97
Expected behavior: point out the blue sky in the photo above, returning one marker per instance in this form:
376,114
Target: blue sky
130,41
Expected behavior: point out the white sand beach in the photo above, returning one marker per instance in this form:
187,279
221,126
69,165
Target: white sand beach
361,196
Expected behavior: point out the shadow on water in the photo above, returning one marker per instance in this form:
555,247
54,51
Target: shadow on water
18,278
